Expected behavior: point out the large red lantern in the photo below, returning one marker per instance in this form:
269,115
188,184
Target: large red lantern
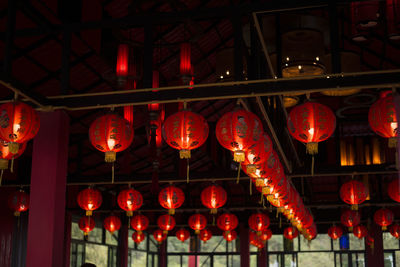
86,224
18,202
139,223
182,234
171,198
6,155
395,230
130,200
353,193
266,235
122,61
205,235
89,199
138,237
394,190
229,235
159,235
227,222
185,130
197,222
311,123
237,131
382,118
19,123
166,222
257,153
290,232
384,218
213,197
186,64
350,218
335,232
258,222
360,231
112,224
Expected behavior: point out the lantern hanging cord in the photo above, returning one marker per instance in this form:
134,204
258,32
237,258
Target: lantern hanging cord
238,174
187,171
251,187
312,165
15,95
112,173
1,176
12,165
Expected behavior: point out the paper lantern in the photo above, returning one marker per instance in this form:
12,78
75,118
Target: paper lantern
122,61
205,235
384,218
255,240
171,198
213,197
182,234
353,193
360,231
139,223
166,222
395,230
130,200
257,153
18,202
227,222
290,233
159,235
86,224
112,224
229,235
350,218
89,199
394,190
197,222
258,222
6,155
138,237
266,235
335,232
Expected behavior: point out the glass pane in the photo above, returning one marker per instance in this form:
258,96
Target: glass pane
76,233
215,244
153,243
80,255
355,243
325,259
253,260
232,246
96,254
345,260
202,261
397,253
219,261
149,260
389,241
253,248
358,259
138,258
336,244
290,260
96,235
275,243
321,242
112,239
174,261
273,260
175,245
234,261
185,261
155,257
389,262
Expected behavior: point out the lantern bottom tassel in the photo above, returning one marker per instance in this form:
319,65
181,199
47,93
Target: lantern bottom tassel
312,148
184,154
213,211
197,232
251,168
392,142
354,207
171,211
238,156
89,213
110,156
13,147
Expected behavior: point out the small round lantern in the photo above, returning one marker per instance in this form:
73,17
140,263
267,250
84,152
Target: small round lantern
227,222
197,222
394,190
335,232
266,235
290,233
89,199
205,235
112,224
86,224
258,222
139,223
130,200
360,231
138,237
18,202
229,235
171,198
353,193
6,156
182,234
350,218
395,230
384,218
159,235
213,197
166,222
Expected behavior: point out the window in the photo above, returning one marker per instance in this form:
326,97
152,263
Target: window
325,259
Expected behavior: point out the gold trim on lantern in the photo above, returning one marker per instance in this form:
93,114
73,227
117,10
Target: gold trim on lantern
3,164
110,156
171,211
197,232
384,228
392,142
85,233
354,207
184,154
129,213
266,190
312,148
139,232
89,213
270,198
251,168
165,232
213,211
13,147
351,229
238,156
17,213
290,101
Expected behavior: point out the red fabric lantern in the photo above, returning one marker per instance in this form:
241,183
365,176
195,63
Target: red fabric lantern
259,222
335,232
229,235
350,218
360,231
112,224
110,134
205,235
185,130
18,202
19,123
311,123
138,237
394,190
130,200
237,131
6,155
213,197
197,222
182,234
89,199
166,222
86,224
171,198
185,64
290,233
382,118
266,235
257,153
353,193
227,222
122,61
395,230
159,235
255,240
139,223
384,218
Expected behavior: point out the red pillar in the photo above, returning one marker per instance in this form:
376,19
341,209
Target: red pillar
162,259
45,246
375,255
262,257
244,247
123,246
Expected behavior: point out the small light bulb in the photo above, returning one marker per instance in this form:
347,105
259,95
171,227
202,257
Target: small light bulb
227,72
287,58
299,67
317,58
221,77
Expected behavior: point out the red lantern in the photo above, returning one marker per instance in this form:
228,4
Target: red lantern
205,235
370,241
394,190
266,235
122,61
159,235
311,123
213,197
112,224
290,233
182,234
19,123
382,118
350,218
171,198
138,237
18,202
255,240
227,222
395,230
353,193
237,131
185,130
130,200
258,222
335,232
257,153
384,218
89,199
166,222
186,65
6,155
86,224
229,235
197,222
360,231
110,134
139,223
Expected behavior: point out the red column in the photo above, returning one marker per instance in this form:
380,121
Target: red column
123,246
6,227
244,247
162,259
45,246
262,257
375,255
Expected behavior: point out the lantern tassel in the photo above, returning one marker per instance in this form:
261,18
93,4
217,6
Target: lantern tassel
312,148
187,170
112,173
171,211
280,221
213,221
392,142
251,187
238,175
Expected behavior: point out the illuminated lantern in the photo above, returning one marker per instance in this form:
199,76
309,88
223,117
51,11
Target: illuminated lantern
213,197
384,218
382,118
112,224
350,218
197,222
311,123
395,230
171,198
182,234
353,193
18,202
6,155
138,237
394,190
86,224
185,130
257,153
229,235
205,235
266,235
159,235
186,64
255,240
139,223
227,222
89,199
122,62
335,232
130,200
258,222
19,123
360,231
290,233
237,131
166,222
